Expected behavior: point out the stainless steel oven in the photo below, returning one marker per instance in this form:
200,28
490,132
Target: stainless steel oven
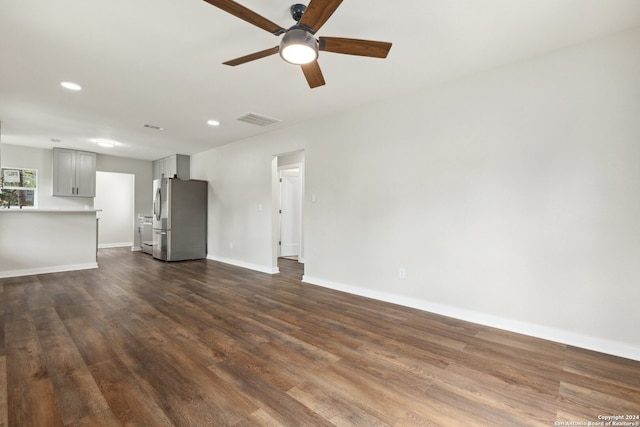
145,230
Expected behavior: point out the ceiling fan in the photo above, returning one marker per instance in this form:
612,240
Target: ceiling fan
299,46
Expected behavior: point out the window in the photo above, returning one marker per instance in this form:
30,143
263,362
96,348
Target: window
18,187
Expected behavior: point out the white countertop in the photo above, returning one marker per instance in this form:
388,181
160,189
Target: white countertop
50,210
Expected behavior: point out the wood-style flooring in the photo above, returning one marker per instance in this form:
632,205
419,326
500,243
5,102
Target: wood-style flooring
199,343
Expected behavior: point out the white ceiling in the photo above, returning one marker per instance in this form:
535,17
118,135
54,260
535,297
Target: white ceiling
160,63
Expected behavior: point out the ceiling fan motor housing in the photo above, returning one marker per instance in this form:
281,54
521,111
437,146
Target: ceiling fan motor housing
297,10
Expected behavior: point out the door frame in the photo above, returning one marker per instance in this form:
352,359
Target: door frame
275,207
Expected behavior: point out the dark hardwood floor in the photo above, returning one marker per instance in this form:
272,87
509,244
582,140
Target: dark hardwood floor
198,343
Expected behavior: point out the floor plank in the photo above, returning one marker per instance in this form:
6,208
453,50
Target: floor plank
3,391
144,342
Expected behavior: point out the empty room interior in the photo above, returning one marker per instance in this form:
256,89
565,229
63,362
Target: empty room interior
332,213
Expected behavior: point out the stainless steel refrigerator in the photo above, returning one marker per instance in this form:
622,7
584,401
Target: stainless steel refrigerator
179,219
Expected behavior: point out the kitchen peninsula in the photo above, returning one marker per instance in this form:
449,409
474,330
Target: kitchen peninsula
36,241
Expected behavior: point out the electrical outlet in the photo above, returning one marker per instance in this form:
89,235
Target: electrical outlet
402,273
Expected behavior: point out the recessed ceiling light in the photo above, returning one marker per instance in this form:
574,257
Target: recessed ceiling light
71,86
213,123
105,142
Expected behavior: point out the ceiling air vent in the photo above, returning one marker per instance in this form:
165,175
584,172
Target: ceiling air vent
258,119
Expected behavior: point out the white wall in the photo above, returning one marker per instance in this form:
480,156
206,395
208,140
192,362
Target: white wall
511,198
240,200
115,198
295,158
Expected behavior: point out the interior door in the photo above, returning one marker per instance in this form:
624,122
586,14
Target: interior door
290,212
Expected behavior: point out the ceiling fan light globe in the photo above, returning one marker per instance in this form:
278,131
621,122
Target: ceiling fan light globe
298,47
298,54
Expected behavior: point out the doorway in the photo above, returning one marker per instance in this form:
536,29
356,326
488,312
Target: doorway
115,194
288,202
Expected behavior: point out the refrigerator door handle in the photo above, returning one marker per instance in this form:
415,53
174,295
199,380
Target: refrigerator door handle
157,206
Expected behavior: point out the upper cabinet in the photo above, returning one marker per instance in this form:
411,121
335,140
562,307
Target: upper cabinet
168,167
74,173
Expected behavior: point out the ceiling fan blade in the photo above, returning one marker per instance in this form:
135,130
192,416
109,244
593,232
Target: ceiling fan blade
253,56
248,15
317,13
355,47
313,74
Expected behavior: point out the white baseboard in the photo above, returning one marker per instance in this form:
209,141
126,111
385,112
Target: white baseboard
45,270
250,266
598,344
114,245
135,248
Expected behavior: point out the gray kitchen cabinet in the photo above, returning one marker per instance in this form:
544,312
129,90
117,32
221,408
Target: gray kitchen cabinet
167,167
74,173
158,169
